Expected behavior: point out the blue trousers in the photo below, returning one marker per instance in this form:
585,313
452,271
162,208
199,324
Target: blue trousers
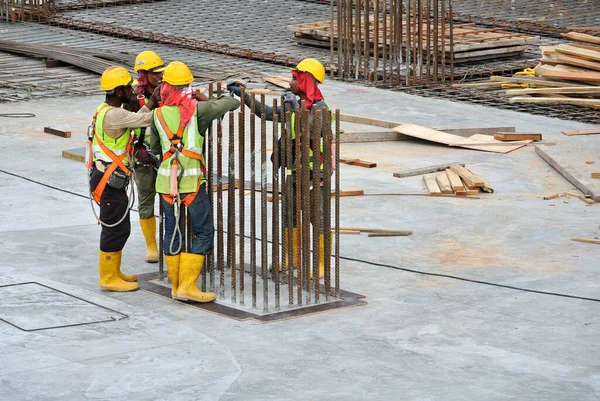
200,212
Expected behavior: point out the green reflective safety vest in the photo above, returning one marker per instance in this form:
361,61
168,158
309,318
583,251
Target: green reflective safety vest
118,146
189,169
310,150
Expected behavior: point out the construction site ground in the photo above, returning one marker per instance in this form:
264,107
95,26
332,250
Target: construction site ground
489,299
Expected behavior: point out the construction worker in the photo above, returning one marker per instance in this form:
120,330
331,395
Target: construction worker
306,77
111,147
178,130
149,67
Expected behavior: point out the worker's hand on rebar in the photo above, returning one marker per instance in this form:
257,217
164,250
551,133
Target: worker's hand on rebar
290,99
235,88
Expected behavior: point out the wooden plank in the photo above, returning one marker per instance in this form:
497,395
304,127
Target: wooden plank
507,136
77,154
596,175
581,132
472,142
360,137
587,240
590,90
454,180
467,132
358,162
57,132
350,118
373,230
555,100
556,161
580,196
582,37
470,190
471,179
573,76
431,184
396,234
425,170
490,52
590,65
536,81
550,197
354,192
443,182
578,51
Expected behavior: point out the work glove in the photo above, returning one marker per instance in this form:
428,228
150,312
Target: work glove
290,99
235,88
143,155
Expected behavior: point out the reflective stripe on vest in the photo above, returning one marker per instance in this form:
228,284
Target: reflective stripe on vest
118,146
190,168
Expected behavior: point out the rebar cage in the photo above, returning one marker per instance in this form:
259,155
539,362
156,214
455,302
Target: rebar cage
254,245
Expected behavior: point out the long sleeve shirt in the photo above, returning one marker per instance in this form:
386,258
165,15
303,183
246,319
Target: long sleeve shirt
117,120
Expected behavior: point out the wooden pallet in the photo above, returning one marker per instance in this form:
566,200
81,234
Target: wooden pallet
470,43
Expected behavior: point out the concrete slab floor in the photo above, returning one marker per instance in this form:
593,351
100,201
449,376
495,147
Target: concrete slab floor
421,337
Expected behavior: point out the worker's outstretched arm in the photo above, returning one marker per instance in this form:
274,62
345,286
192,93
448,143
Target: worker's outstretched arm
214,108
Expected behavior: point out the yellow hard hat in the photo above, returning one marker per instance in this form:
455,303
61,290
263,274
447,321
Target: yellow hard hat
114,77
177,74
313,67
148,60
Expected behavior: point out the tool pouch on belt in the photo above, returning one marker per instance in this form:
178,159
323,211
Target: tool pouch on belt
118,179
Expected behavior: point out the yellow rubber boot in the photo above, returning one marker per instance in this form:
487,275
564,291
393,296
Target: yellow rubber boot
190,266
173,270
110,279
295,249
322,253
149,229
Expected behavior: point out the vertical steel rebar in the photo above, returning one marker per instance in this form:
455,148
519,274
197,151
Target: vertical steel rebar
436,34
420,40
337,203
316,210
327,201
263,203
275,221
220,245
357,43
376,40
443,34
384,35
161,240
331,43
242,194
367,39
289,213
338,34
407,60
306,200
231,240
428,47
451,22
210,260
253,199
297,234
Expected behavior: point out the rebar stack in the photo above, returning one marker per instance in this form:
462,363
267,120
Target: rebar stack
26,10
394,41
282,231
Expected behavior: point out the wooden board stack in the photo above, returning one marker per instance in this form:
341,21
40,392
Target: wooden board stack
455,179
470,43
574,66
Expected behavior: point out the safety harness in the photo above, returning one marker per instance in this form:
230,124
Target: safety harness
117,161
176,148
